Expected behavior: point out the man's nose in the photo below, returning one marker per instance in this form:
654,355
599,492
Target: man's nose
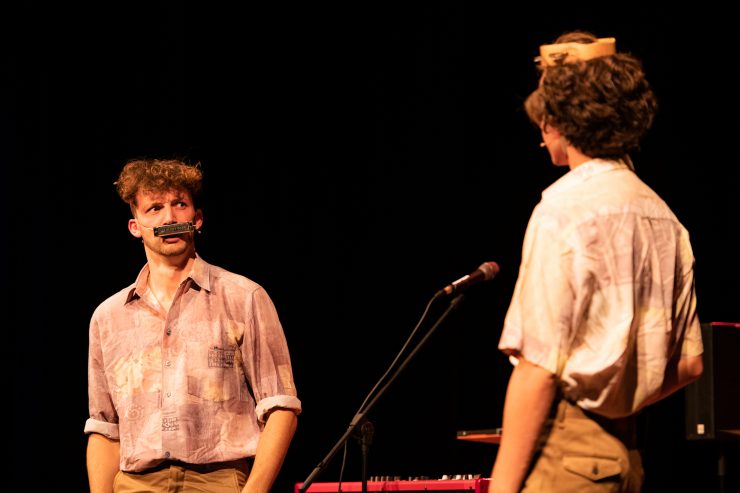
168,215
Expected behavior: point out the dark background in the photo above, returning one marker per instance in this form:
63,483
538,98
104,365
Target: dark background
358,157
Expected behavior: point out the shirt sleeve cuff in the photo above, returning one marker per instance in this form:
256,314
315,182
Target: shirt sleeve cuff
277,401
104,428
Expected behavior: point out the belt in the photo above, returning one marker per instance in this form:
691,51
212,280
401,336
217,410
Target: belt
244,465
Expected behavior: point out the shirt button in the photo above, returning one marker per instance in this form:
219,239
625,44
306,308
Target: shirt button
167,455
169,331
167,363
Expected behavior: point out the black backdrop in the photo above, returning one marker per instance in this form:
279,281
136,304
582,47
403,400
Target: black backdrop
357,157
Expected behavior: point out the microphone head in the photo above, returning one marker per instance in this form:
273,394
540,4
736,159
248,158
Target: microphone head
485,272
489,269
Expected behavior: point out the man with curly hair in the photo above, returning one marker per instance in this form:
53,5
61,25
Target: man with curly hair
190,383
602,321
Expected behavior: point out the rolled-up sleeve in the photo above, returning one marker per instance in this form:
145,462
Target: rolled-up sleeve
103,417
538,321
269,364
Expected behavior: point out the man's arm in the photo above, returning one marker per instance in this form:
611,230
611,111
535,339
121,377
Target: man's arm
529,396
678,375
271,449
102,462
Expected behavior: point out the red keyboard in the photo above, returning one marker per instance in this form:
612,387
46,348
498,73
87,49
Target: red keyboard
479,485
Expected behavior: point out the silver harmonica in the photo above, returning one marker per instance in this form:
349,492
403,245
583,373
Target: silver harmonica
174,229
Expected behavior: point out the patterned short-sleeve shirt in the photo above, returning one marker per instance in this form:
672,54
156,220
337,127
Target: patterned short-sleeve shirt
605,295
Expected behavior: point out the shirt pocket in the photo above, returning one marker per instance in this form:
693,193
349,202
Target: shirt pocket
212,372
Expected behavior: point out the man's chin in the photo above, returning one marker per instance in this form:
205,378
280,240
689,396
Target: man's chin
173,250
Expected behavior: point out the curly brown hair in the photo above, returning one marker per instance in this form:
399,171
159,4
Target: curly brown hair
602,106
155,175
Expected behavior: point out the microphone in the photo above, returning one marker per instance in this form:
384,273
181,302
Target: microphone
485,272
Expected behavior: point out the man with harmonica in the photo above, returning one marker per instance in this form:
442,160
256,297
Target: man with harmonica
189,376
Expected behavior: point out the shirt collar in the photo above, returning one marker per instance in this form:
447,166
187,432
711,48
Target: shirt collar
582,173
200,274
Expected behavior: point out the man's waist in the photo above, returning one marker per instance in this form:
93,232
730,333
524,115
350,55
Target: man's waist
243,464
623,428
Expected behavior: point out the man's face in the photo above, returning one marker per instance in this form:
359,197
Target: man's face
161,208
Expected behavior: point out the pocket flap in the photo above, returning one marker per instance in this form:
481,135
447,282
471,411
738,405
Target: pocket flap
593,468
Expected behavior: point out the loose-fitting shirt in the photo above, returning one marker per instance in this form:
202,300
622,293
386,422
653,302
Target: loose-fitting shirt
194,384
605,296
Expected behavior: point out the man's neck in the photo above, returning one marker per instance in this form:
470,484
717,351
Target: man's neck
576,157
166,274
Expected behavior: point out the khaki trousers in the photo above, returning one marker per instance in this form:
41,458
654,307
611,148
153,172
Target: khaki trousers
580,451
178,477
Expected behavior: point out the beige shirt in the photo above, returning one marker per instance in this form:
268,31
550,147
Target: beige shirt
605,295
194,384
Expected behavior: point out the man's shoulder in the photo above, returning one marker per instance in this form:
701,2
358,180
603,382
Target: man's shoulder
115,301
221,277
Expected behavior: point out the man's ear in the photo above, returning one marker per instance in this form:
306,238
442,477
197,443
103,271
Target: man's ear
198,219
133,228
550,131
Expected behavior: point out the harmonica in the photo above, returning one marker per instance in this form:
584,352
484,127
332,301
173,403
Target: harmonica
174,229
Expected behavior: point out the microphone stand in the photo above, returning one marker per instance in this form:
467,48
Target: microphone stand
366,438
359,418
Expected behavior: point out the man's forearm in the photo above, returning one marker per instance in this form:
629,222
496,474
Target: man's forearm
271,450
677,376
529,396
102,462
